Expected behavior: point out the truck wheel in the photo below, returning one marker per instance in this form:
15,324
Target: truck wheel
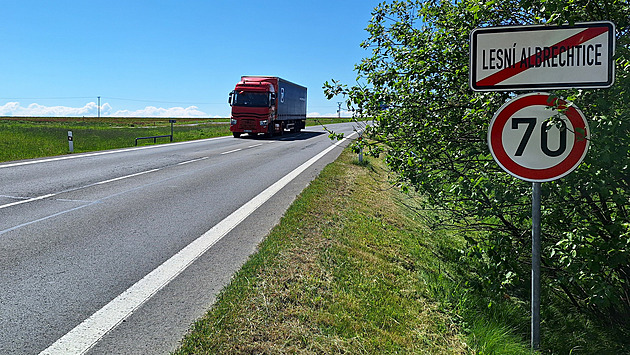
236,134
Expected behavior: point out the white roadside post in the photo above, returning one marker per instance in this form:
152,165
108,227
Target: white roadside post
360,147
70,142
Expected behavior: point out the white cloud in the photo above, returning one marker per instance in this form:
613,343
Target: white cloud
151,111
91,110
34,109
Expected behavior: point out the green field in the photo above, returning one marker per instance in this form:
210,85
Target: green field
36,137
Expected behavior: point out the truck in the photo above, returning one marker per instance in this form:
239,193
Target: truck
267,105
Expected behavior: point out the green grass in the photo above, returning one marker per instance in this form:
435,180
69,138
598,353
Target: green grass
349,270
26,138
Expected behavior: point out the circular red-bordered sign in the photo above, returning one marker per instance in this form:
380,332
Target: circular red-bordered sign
525,145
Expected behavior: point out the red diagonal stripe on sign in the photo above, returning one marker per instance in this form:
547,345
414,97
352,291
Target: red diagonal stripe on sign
572,41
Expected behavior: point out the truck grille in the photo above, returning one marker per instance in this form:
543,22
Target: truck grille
248,124
242,115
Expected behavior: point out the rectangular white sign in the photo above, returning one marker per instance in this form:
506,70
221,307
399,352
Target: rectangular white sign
552,57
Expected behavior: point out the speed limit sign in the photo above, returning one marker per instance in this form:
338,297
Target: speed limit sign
525,144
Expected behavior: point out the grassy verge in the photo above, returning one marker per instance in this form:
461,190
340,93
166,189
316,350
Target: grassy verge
349,270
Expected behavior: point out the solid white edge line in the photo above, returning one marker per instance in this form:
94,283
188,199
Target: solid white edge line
85,335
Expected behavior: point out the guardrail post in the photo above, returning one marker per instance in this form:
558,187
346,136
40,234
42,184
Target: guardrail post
154,138
171,122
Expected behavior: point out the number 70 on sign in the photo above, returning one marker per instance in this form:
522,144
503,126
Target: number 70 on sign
526,145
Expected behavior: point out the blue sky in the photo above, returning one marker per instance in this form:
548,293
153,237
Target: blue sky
171,58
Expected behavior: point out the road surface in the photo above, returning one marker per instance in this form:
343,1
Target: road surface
118,252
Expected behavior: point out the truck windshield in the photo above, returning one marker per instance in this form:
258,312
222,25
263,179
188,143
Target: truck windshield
252,99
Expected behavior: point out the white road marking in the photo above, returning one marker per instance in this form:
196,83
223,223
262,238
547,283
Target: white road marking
27,201
125,177
239,149
85,335
15,197
78,188
86,203
232,151
192,161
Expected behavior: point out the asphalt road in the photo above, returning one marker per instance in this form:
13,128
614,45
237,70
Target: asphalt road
118,252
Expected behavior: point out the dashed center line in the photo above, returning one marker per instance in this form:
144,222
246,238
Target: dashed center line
126,176
86,186
28,200
192,161
239,149
232,151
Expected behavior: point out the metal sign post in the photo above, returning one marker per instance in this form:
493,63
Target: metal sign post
535,321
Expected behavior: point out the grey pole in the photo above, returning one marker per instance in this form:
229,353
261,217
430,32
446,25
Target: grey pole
171,122
99,107
536,266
